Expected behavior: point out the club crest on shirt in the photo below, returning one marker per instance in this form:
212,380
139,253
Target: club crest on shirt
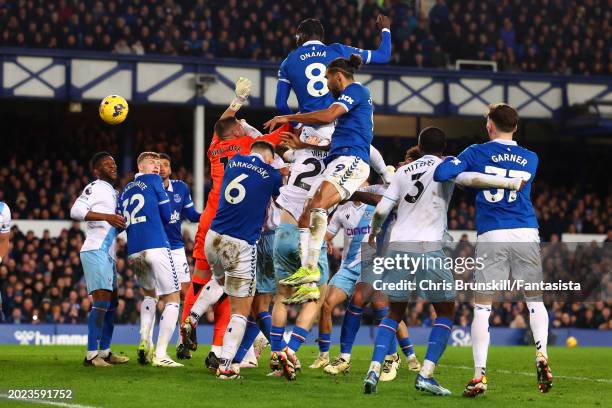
177,198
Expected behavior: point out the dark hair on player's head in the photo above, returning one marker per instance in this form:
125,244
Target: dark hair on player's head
223,126
504,117
347,66
164,156
262,146
412,154
432,140
310,29
95,159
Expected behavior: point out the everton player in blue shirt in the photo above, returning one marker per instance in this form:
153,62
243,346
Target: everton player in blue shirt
146,208
347,163
248,185
182,208
508,239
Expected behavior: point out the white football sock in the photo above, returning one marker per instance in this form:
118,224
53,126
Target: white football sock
250,355
216,350
375,366
428,368
304,240
346,356
209,295
480,338
538,320
92,354
147,317
104,353
232,338
167,324
318,227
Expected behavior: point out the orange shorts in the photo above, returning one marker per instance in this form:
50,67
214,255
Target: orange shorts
199,254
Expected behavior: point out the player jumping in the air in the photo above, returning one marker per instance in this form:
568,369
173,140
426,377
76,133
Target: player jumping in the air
182,208
231,136
347,168
508,238
248,185
418,233
97,205
146,208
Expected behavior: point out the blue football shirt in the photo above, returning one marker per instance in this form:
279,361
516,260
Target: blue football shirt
248,184
497,208
142,202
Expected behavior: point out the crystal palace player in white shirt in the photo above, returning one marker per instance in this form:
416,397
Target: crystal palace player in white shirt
419,232
97,205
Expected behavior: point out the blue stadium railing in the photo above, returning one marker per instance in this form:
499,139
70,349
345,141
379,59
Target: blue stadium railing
89,76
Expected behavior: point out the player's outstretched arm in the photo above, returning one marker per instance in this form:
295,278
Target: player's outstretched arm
243,91
319,117
382,54
482,181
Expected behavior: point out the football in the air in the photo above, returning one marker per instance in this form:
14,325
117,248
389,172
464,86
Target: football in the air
113,109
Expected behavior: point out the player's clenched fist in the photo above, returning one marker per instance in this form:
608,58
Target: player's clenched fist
383,22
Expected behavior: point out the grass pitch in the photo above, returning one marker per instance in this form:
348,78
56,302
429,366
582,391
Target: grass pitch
582,378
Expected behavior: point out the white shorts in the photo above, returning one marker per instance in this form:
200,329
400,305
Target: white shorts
181,264
508,252
317,135
155,269
235,259
346,173
292,199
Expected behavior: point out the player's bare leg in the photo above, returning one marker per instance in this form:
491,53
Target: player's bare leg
480,345
167,324
333,298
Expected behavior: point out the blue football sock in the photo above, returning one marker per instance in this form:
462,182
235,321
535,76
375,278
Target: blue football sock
95,323
109,326
406,346
298,336
276,338
384,334
380,313
251,332
264,319
324,342
392,346
350,327
438,338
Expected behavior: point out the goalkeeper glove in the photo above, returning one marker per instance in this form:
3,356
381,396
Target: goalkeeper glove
243,90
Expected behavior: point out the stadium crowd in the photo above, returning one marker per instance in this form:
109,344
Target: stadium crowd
519,35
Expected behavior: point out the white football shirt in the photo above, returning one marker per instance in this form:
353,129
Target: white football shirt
422,203
355,221
98,196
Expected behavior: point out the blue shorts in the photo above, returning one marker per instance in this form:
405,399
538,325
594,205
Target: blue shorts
287,253
345,279
434,281
266,281
100,270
